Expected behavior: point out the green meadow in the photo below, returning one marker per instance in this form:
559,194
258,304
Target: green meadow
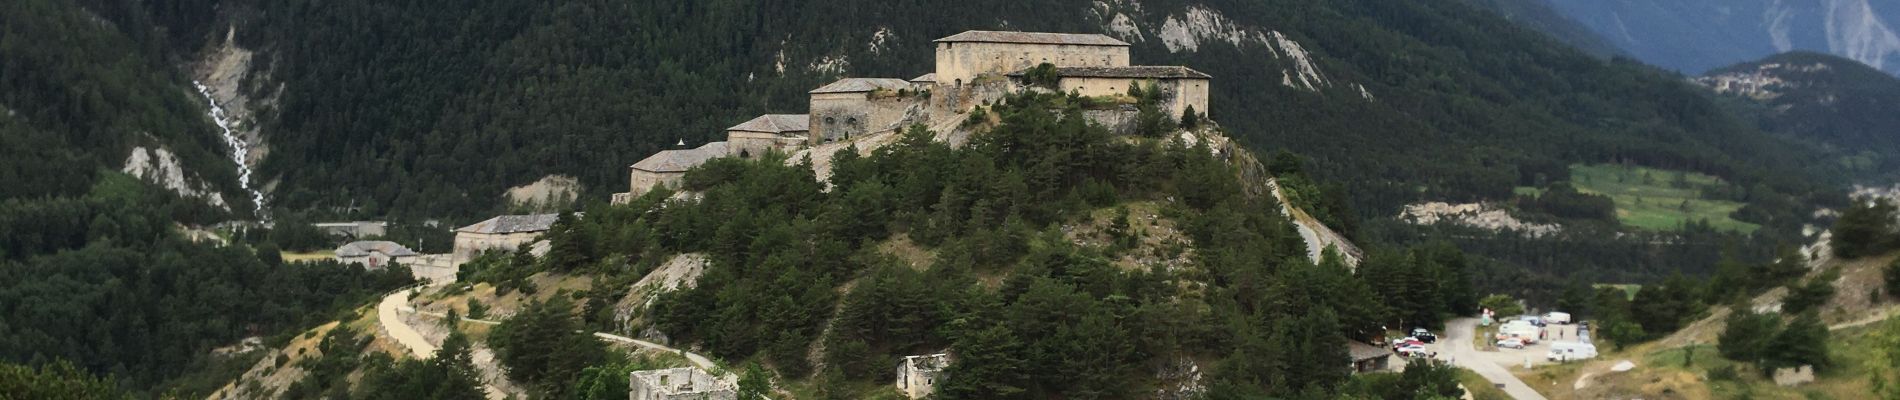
1657,199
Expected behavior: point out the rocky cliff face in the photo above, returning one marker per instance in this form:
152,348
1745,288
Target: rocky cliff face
1697,35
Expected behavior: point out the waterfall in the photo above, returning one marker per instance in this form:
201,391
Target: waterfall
239,150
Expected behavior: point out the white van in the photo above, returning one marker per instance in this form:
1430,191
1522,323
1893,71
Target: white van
1554,317
1566,351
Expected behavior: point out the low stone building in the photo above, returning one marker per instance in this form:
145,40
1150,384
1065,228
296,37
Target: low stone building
1368,358
854,107
679,384
666,169
1181,87
354,229
374,254
917,375
768,133
504,233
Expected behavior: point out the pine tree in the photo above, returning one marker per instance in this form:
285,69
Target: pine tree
1803,342
1746,336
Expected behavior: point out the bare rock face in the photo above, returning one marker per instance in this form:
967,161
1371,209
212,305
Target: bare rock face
550,192
160,166
1476,215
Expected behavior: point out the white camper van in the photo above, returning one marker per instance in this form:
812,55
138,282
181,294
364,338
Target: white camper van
1566,351
1561,318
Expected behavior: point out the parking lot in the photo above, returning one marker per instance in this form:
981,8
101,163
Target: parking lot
1487,352
1516,358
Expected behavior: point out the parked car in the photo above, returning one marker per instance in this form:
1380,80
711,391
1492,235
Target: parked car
1555,317
1413,351
1514,343
1565,351
1424,335
1402,343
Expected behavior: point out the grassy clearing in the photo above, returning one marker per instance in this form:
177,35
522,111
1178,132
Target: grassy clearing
1659,199
1479,388
1699,372
318,255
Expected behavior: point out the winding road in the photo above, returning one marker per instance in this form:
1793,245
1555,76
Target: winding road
1460,333
387,315
402,332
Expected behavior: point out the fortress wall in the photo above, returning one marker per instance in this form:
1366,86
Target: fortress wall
959,63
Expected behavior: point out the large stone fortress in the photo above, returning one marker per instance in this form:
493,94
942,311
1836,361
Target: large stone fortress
972,68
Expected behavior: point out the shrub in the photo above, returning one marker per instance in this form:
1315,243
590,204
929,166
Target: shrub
1043,75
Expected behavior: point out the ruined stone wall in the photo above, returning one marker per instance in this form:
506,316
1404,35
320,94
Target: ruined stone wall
959,63
1176,94
678,384
745,144
468,245
641,182
1120,121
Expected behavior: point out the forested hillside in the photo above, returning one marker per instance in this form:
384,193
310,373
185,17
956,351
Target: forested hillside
1840,104
803,280
81,86
1397,100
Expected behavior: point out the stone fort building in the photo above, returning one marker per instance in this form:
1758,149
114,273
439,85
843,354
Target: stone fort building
679,384
972,68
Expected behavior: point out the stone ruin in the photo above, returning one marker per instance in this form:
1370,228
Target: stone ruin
917,375
680,384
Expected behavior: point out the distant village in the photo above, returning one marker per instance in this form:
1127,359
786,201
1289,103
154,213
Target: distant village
973,68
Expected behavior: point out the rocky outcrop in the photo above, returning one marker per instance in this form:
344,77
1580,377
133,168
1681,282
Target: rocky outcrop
549,193
160,166
1197,26
1475,215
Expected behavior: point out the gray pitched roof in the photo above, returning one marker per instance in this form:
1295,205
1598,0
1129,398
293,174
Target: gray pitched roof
1081,39
681,160
1362,351
925,78
853,85
513,224
776,123
1133,72
363,248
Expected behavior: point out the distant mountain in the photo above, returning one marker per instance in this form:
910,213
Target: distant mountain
1844,105
1693,36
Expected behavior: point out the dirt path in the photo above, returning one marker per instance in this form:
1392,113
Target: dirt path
1460,332
698,360
1875,317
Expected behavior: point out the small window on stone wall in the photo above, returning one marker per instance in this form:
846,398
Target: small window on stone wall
851,121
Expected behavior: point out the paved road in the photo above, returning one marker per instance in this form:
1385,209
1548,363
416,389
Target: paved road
1460,332
386,315
402,332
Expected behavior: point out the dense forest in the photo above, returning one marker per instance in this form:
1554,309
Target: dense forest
80,86
104,281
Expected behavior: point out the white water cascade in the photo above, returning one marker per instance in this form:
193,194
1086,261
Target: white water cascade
239,150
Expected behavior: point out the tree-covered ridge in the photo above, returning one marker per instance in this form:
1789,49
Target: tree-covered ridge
1837,103
1026,312
103,281
80,86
